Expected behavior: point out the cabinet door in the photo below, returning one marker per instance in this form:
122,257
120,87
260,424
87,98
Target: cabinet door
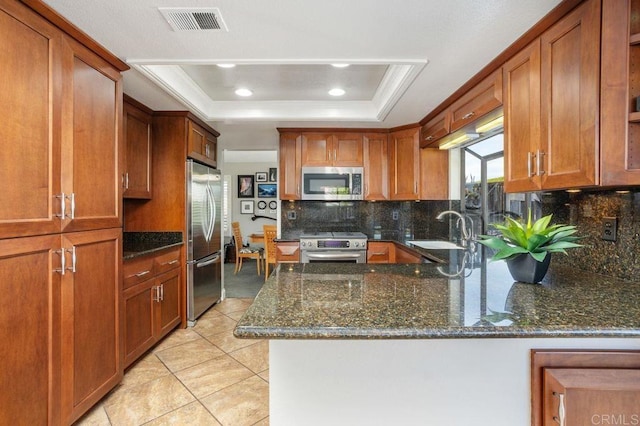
168,306
376,166
30,118
522,119
210,149
434,174
570,99
29,330
579,396
347,150
138,320
137,135
404,164
90,312
482,99
92,142
196,139
290,156
435,129
317,149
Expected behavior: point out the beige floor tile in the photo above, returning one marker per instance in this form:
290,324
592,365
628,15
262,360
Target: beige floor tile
228,342
188,354
191,414
233,305
140,404
211,313
177,337
143,371
264,374
96,417
213,375
244,403
236,315
255,357
263,422
210,326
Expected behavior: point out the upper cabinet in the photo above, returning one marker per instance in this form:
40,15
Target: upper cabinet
404,164
289,164
553,85
434,174
63,112
436,128
137,138
332,149
376,166
202,144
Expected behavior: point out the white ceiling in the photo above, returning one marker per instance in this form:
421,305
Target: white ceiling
407,56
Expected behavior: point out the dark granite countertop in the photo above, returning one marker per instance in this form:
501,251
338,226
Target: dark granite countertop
135,244
469,297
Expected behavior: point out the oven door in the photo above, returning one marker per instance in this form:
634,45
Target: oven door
333,256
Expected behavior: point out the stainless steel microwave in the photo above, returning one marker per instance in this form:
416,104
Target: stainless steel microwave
332,183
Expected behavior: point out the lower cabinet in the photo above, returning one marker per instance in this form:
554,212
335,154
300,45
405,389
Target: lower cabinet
151,301
288,252
390,252
583,387
60,324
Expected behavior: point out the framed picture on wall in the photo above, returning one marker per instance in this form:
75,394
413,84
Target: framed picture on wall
273,174
261,176
245,186
246,206
267,190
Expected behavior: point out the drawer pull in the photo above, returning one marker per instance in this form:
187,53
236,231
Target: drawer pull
140,274
429,138
560,418
468,115
379,254
173,262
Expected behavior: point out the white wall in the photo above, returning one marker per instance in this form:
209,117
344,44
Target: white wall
248,168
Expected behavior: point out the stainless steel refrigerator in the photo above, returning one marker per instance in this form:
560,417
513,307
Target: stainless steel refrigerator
204,239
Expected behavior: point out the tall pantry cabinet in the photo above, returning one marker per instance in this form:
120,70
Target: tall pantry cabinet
60,217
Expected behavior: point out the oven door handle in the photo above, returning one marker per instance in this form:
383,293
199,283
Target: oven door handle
333,255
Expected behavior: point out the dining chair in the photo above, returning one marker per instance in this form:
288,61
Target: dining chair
270,233
245,252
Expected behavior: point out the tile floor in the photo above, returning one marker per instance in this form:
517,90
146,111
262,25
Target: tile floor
195,376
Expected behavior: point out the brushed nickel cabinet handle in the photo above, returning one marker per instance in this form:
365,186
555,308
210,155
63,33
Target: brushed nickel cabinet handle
540,154
140,274
468,115
560,418
429,138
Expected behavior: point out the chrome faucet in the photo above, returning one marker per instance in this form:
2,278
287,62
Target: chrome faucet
466,234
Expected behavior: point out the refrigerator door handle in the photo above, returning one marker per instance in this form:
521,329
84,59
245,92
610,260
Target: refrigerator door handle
211,201
208,262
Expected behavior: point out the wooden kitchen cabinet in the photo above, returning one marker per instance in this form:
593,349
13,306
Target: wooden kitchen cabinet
30,330
376,166
91,363
201,143
482,99
404,164
380,252
434,174
338,149
151,301
288,252
137,125
594,387
564,153
436,128
290,168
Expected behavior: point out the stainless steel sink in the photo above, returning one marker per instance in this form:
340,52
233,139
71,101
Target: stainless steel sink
435,245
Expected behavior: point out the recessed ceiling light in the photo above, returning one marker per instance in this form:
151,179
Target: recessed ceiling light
337,92
244,92
226,65
340,65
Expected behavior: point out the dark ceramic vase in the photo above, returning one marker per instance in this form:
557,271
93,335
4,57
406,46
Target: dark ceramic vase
526,269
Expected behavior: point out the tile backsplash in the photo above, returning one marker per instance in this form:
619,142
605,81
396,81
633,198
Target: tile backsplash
587,210
393,220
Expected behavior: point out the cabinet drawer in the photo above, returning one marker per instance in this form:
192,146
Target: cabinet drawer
167,261
378,252
483,98
137,270
288,252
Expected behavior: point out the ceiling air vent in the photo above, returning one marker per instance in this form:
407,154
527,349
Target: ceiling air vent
193,19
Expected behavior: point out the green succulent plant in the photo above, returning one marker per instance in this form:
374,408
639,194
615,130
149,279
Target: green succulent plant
537,238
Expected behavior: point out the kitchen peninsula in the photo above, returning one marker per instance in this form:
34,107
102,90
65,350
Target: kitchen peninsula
425,343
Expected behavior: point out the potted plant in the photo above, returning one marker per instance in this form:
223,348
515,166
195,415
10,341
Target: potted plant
527,247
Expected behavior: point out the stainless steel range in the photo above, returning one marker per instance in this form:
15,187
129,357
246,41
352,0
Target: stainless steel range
345,247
